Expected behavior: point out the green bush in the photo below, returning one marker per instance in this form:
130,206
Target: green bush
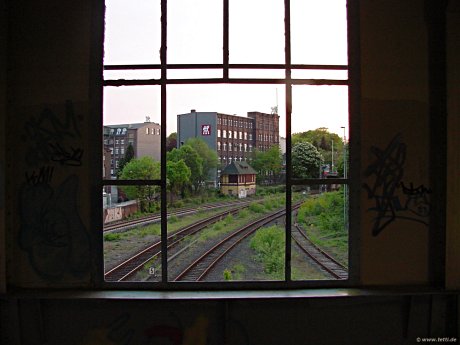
256,207
173,219
111,237
269,245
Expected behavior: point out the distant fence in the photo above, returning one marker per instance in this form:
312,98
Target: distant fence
120,211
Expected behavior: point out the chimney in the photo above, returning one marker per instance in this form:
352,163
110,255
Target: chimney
193,111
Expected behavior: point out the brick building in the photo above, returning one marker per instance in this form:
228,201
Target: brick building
144,137
233,137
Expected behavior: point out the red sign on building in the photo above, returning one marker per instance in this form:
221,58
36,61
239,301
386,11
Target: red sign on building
205,129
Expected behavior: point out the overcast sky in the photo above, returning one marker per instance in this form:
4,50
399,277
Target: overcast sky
318,31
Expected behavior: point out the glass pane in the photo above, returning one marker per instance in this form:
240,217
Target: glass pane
257,73
319,131
234,99
217,236
132,131
319,32
132,32
195,31
194,73
227,169
319,74
132,74
132,241
256,33
319,235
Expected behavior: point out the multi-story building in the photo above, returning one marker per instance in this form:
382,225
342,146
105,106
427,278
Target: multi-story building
234,138
144,138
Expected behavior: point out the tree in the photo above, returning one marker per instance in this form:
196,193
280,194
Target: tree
306,160
268,164
325,142
144,168
192,160
178,175
208,155
171,142
129,155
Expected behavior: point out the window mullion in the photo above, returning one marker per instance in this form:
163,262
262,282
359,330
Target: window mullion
287,35
164,216
226,40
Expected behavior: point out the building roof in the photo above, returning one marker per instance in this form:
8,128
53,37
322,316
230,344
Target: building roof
238,168
132,125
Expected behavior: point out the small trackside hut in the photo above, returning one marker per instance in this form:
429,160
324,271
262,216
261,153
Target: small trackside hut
238,178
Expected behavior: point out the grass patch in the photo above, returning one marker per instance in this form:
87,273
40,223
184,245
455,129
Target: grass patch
235,273
268,243
322,217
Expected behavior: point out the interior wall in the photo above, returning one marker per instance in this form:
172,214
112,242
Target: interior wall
3,83
49,92
395,143
49,237
453,144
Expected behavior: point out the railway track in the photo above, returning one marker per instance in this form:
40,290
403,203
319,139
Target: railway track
326,262
131,266
129,224
203,265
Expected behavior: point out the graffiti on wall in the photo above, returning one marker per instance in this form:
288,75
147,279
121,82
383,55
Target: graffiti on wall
52,231
394,199
51,139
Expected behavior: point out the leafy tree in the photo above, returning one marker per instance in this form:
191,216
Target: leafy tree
208,155
178,175
129,155
306,160
144,168
268,164
191,158
171,142
324,141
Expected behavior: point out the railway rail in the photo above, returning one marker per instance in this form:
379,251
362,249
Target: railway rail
319,256
129,224
131,266
203,265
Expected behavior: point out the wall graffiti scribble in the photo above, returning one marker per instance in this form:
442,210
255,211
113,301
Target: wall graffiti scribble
388,171
52,232
53,140
44,175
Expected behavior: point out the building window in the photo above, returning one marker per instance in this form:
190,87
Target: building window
229,134
301,70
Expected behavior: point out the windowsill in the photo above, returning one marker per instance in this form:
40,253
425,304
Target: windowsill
227,295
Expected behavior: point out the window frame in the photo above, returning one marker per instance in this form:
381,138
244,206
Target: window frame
353,84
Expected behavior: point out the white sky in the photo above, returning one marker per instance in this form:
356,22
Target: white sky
318,34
